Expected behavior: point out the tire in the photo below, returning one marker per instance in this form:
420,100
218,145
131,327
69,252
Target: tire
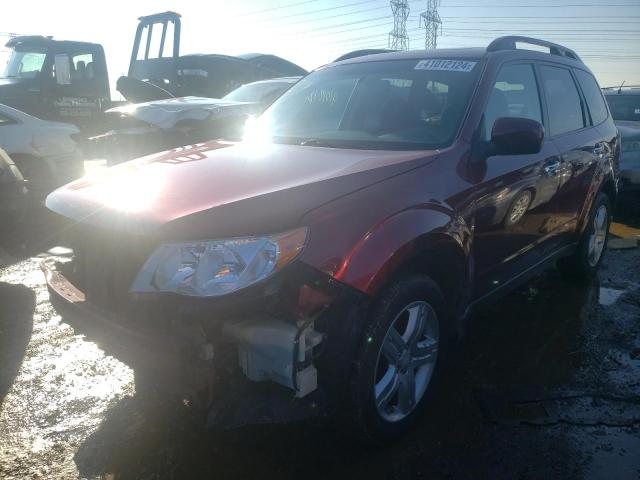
151,386
584,263
377,415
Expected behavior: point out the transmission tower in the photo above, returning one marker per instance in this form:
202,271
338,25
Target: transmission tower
430,19
398,38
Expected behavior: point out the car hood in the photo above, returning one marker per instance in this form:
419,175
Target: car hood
167,113
8,81
628,129
220,189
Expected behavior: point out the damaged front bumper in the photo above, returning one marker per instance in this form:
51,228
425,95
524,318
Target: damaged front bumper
289,368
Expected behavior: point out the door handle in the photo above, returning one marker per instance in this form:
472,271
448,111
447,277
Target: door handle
599,149
552,168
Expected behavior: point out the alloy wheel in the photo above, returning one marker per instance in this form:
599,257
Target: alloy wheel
406,361
598,236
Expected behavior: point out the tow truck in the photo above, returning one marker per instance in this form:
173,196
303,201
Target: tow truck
68,81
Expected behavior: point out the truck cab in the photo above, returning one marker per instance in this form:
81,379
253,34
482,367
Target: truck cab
56,80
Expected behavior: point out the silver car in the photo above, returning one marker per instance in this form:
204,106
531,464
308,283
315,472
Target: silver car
45,152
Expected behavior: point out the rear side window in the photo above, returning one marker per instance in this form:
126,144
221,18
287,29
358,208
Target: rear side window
83,67
593,96
563,100
514,94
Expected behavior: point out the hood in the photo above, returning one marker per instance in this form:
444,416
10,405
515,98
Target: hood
8,81
10,87
167,113
628,129
221,189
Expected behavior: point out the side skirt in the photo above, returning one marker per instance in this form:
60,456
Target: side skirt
518,280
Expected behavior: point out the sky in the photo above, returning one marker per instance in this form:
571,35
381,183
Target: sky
314,32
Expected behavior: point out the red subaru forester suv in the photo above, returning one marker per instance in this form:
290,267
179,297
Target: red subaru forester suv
326,262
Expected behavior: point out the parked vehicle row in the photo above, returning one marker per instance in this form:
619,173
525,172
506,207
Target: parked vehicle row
336,252
141,129
624,103
46,153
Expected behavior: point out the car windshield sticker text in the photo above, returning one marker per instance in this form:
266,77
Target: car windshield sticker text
445,65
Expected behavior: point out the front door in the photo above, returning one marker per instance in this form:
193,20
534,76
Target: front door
513,209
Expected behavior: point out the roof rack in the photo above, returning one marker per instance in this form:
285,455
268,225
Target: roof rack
509,43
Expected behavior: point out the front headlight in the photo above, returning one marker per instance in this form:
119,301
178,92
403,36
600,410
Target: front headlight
211,268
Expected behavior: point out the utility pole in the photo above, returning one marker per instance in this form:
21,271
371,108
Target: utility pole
398,38
430,19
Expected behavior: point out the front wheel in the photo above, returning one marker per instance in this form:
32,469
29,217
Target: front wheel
584,263
400,359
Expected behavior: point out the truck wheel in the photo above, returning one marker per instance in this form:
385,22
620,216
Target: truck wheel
584,263
399,362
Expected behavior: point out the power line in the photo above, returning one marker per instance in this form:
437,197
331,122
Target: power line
326,9
270,9
336,16
565,5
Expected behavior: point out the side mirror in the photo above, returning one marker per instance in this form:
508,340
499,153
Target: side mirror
516,136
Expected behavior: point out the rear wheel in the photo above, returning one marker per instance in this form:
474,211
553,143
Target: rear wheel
584,263
403,351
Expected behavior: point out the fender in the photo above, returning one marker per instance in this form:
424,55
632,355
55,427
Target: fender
604,179
398,240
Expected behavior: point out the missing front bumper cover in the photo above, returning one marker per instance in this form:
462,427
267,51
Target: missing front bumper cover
271,349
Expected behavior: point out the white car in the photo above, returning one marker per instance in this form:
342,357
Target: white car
45,152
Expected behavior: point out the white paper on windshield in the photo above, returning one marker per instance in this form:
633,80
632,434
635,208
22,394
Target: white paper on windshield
636,111
445,65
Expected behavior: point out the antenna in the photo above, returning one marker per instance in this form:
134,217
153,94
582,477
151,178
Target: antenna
398,38
431,21
620,87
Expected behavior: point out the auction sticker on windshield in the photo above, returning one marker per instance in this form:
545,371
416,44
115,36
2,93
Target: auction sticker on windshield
445,65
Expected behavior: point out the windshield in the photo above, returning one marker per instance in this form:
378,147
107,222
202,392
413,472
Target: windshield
24,63
257,92
398,104
624,107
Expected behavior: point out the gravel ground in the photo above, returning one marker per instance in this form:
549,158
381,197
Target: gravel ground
546,385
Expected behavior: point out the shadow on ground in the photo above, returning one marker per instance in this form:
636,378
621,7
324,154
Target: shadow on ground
17,304
530,339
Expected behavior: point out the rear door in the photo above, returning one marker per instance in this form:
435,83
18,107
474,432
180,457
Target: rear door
514,209
569,128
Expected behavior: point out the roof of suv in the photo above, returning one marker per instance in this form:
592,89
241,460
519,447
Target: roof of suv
474,52
499,45
630,90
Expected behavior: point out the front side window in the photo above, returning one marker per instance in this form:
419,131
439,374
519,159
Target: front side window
624,107
24,63
563,100
593,96
514,94
402,104
256,92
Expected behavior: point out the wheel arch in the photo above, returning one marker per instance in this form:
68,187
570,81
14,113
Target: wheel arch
429,240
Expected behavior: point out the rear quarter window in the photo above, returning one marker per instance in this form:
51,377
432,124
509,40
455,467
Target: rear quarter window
563,100
593,96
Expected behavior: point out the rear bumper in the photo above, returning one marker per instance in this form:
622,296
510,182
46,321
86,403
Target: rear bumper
175,358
